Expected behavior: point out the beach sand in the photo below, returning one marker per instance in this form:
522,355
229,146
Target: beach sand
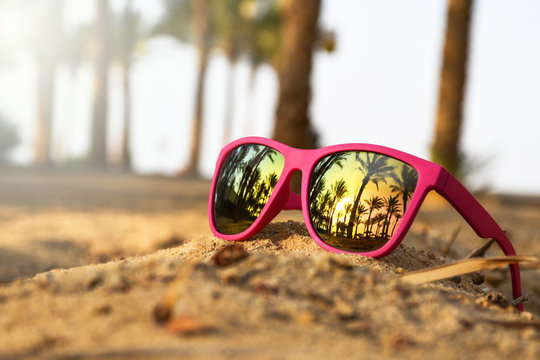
121,266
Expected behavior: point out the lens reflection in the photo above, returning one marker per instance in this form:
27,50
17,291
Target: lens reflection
245,183
357,198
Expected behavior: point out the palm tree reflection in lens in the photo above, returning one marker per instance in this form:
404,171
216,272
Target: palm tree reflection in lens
357,198
245,183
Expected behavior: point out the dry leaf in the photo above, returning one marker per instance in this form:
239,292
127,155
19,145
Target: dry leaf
465,266
229,254
187,325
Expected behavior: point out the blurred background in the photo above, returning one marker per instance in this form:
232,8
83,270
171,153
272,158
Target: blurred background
158,86
95,93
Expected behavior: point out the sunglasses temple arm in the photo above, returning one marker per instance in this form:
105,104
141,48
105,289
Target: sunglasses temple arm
482,223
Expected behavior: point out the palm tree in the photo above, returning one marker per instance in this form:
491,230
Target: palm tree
324,165
445,149
262,42
374,203
272,180
261,191
299,35
391,204
230,32
405,184
251,175
347,207
9,138
236,165
189,21
375,169
127,34
319,210
98,152
47,54
398,216
338,191
378,219
358,220
338,222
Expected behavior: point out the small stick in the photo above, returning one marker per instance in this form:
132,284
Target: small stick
463,267
481,251
448,246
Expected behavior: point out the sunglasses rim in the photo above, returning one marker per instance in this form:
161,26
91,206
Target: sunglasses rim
305,161
430,177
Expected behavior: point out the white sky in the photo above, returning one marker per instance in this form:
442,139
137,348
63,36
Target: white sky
380,86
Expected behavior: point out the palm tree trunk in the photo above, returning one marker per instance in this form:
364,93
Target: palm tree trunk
46,70
100,102
299,32
128,39
47,58
445,149
357,198
367,228
200,33
125,161
394,227
250,106
229,102
405,196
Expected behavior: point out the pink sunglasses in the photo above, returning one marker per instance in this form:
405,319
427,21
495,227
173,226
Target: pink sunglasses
355,198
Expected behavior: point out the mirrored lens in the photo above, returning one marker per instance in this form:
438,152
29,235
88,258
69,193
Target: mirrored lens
357,198
245,182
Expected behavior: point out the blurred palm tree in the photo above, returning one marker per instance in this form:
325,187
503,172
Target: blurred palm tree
46,47
9,138
445,149
230,32
298,39
101,52
127,36
189,21
262,40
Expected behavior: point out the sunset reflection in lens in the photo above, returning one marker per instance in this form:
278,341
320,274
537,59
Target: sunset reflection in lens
245,183
357,198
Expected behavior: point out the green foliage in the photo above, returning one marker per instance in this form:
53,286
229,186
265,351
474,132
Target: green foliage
175,21
128,34
235,27
9,138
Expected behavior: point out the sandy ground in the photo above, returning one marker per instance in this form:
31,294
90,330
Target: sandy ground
120,266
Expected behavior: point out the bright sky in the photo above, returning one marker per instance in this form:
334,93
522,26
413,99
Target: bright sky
380,86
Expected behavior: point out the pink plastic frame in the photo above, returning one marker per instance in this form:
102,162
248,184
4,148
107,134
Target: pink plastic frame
430,177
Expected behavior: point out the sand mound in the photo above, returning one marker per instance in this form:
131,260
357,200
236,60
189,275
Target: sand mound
287,299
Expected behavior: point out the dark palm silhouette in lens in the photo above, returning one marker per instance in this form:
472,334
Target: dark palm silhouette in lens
405,184
246,181
374,203
367,197
374,169
338,191
391,204
322,167
379,220
360,212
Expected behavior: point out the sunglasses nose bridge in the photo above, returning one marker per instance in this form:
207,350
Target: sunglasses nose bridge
296,159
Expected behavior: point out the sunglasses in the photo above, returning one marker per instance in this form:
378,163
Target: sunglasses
355,198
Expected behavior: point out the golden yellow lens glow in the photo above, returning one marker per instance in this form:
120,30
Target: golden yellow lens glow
358,198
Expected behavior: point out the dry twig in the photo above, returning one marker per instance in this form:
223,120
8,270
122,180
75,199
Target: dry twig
465,266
